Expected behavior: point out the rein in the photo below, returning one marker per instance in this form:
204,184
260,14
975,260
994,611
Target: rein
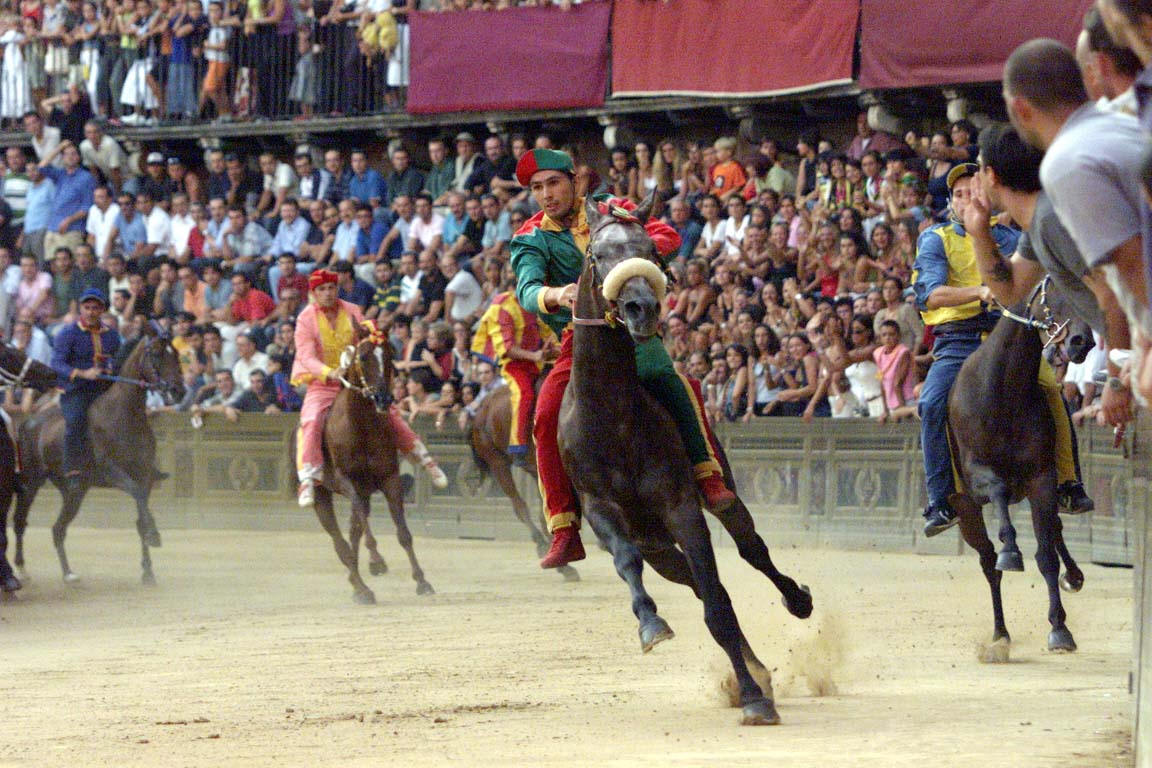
353,366
1052,330
136,382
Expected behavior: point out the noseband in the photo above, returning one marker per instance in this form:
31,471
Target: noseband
636,266
350,364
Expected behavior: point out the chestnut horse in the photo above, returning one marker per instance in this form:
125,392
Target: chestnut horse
360,458
624,453
121,447
488,437
17,370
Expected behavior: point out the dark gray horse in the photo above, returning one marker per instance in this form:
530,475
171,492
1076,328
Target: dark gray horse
1003,442
626,459
122,448
16,370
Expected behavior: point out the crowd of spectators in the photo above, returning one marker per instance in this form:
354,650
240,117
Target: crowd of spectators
140,62
791,293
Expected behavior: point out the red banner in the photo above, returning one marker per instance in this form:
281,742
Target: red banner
519,58
904,44
731,47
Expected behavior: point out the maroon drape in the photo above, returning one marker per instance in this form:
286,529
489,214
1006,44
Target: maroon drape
731,47
905,44
520,58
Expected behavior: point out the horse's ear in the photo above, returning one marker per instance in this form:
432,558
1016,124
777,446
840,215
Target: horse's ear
592,213
645,210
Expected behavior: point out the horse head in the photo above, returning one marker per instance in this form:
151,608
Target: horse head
624,267
1067,328
368,370
156,362
17,369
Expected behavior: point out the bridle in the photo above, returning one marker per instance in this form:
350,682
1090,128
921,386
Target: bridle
1052,330
352,369
616,215
16,380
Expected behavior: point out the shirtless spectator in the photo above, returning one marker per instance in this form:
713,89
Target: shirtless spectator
697,297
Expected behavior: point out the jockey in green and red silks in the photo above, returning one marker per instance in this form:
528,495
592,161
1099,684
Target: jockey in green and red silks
548,257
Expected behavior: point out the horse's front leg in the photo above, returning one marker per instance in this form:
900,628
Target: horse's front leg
1009,558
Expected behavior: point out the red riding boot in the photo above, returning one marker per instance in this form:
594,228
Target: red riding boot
566,548
717,496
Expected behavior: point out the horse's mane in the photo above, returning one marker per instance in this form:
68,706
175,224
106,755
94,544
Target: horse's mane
126,353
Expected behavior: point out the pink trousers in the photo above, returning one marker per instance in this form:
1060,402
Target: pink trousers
310,437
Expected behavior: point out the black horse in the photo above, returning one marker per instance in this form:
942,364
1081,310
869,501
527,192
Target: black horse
626,459
1003,443
17,370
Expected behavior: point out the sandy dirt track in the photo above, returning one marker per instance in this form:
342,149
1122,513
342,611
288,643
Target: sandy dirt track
251,652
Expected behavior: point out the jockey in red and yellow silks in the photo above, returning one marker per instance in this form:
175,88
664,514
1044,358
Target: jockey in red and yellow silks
513,341
547,254
325,328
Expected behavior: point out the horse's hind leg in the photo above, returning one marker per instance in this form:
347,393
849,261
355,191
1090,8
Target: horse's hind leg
630,567
8,580
68,511
976,535
719,616
1009,558
394,492
737,520
1043,501
501,470
1072,580
326,513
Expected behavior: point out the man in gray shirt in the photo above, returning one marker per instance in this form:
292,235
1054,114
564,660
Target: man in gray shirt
1009,180
1089,175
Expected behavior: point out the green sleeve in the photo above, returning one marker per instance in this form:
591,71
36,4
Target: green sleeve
530,264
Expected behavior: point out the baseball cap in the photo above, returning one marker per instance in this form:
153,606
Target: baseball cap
173,160
960,172
155,158
93,294
465,136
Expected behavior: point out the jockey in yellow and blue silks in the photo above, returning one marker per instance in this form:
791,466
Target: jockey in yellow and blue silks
948,286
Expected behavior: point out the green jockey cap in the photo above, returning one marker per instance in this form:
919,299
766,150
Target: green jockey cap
542,160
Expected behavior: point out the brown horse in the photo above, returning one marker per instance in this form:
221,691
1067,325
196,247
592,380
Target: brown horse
121,447
488,437
360,458
625,457
17,370
1003,444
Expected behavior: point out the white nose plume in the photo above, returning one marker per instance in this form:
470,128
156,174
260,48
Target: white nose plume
630,268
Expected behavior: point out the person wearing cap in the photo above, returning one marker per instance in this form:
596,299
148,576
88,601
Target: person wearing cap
548,257
181,182
155,181
324,329
81,355
466,160
949,292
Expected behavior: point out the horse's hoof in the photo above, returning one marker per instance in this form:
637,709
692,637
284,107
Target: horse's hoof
152,539
800,604
71,578
1071,581
654,632
424,588
1061,640
1009,560
378,568
148,579
365,597
10,584
569,573
761,712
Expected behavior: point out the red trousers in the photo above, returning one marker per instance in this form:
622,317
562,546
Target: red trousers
556,489
520,376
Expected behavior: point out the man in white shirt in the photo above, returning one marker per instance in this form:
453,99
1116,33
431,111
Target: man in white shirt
279,181
248,359
157,223
410,279
426,232
465,159
180,226
117,270
463,295
101,152
45,138
101,218
313,182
